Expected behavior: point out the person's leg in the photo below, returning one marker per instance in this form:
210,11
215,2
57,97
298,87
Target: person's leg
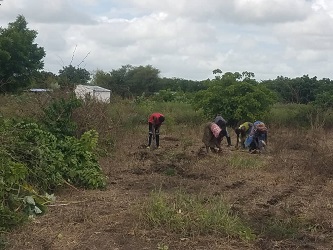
229,141
157,136
150,127
243,138
206,137
228,137
254,147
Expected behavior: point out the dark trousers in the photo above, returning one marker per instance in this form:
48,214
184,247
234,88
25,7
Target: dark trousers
154,130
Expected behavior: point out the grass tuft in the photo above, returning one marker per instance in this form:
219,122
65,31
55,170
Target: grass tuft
281,229
245,161
194,215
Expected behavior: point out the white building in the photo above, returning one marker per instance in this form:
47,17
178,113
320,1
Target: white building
96,92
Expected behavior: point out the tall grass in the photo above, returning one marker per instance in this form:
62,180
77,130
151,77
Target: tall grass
299,115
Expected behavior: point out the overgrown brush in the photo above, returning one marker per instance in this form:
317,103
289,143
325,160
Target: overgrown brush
37,158
299,115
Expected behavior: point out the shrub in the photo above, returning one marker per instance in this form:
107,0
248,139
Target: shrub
34,161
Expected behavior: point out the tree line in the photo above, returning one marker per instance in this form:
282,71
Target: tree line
21,67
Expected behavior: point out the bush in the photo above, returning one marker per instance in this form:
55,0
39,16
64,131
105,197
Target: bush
34,161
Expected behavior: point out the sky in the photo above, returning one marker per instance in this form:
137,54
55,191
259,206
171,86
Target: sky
183,38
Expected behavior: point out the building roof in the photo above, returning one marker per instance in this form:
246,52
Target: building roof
95,88
40,90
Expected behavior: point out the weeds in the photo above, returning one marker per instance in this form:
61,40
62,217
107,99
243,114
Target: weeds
245,161
3,242
162,246
194,215
281,229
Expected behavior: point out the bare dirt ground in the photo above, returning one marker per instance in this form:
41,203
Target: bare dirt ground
293,181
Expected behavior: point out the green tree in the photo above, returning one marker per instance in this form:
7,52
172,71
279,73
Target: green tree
179,84
71,76
129,81
119,83
102,79
294,90
20,57
235,97
143,79
46,80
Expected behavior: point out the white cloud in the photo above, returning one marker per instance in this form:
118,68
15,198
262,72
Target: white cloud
184,38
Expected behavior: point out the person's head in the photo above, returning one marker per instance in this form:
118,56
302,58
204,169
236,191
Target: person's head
221,124
161,119
261,127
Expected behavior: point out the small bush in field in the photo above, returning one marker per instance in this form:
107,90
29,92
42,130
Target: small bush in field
194,215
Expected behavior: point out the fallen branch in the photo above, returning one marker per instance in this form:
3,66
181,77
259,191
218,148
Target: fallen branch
67,183
65,204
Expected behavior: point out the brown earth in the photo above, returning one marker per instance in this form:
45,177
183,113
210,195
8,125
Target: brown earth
294,182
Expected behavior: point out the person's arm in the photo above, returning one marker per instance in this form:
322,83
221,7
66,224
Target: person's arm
218,143
154,126
219,139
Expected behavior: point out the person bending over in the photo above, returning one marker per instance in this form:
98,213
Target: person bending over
155,121
222,123
213,136
242,132
257,139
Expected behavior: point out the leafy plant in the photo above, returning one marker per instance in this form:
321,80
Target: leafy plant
80,163
34,161
58,116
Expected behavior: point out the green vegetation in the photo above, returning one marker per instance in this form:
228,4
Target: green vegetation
69,76
299,115
20,57
50,141
235,96
245,161
281,229
39,157
192,215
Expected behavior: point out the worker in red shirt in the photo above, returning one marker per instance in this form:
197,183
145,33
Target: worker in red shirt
155,121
